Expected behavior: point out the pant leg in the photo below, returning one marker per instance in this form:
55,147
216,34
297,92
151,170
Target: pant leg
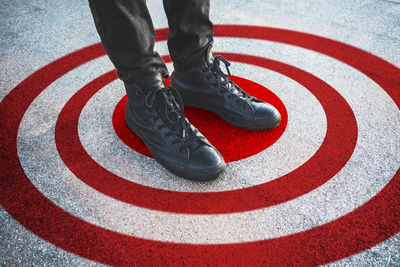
128,37
190,32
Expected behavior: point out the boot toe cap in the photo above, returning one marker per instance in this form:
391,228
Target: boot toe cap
268,114
206,161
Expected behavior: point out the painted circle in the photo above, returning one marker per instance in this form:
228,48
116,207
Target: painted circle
336,149
333,154
368,225
232,142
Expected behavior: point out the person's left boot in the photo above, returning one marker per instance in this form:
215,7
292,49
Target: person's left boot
209,88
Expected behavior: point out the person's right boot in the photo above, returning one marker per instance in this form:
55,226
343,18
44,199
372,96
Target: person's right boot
155,113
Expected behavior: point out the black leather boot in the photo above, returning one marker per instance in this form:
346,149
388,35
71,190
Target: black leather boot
155,113
209,88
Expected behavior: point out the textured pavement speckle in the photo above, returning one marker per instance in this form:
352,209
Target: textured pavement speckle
35,33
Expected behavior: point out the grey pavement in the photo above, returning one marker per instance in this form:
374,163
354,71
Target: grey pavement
37,32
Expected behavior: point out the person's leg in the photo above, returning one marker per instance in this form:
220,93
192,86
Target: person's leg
190,32
198,76
153,111
127,35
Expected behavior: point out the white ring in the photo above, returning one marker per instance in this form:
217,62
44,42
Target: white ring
305,132
350,188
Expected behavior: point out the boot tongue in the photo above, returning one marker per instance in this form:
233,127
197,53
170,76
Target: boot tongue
209,56
176,125
210,59
165,108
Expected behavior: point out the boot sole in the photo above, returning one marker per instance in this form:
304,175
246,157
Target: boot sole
193,175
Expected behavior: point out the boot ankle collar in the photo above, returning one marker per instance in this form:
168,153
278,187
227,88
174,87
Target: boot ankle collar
149,82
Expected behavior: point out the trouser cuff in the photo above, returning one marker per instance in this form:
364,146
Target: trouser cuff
194,61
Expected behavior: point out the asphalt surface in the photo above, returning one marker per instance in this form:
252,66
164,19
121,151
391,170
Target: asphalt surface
36,33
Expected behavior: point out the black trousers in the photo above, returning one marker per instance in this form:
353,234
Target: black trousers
127,35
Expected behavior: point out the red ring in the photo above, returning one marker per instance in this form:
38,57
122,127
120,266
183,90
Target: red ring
232,142
368,225
333,154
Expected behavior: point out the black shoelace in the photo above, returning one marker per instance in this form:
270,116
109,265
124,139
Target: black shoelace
225,83
169,106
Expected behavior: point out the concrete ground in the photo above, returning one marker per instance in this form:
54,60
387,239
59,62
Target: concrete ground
37,32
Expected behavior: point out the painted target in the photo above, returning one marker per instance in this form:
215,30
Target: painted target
248,205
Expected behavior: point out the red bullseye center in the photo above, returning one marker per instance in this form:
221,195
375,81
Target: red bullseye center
232,142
